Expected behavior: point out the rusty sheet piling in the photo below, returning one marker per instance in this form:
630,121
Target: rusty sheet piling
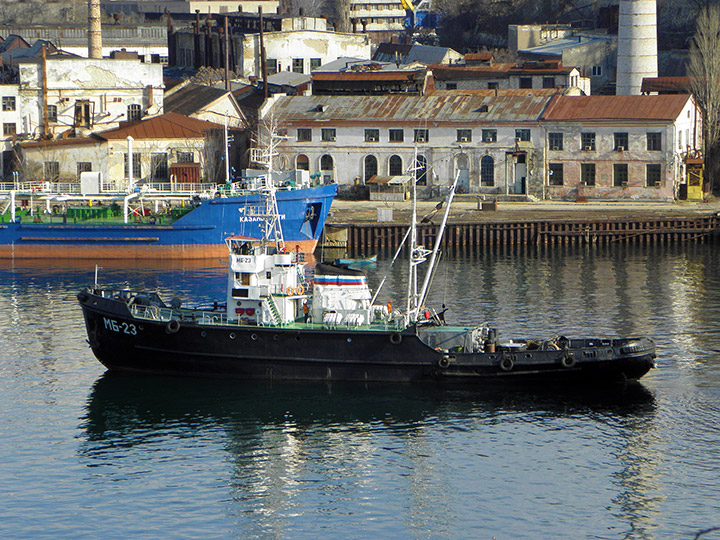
381,237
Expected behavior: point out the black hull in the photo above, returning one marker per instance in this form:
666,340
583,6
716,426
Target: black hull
124,343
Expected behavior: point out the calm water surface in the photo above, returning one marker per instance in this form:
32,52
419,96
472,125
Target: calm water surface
87,455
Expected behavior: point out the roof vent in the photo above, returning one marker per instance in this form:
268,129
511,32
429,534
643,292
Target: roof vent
320,108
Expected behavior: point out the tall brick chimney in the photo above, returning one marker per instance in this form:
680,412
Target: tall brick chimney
94,30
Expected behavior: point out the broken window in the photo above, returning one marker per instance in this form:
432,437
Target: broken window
159,165
83,113
556,174
134,112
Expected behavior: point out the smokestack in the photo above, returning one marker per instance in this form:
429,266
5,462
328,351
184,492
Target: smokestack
637,45
95,30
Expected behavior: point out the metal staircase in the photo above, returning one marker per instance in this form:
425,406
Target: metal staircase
274,312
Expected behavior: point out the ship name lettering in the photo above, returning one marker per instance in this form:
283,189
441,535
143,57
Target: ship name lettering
121,328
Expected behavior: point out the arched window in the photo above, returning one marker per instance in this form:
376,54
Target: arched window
462,162
395,166
326,163
421,170
326,168
371,167
462,165
487,171
302,163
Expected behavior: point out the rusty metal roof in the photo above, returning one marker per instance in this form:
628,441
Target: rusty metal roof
674,85
481,56
498,69
167,126
367,75
170,125
444,71
483,106
192,98
601,108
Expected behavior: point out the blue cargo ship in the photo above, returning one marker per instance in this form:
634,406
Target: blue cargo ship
199,233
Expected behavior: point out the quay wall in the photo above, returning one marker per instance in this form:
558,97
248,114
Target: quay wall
364,238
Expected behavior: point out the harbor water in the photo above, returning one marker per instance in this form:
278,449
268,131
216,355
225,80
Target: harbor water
86,454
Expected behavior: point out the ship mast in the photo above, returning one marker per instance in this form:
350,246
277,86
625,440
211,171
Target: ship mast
438,240
268,211
418,254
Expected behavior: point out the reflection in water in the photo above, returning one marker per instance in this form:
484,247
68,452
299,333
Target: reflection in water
236,460
311,447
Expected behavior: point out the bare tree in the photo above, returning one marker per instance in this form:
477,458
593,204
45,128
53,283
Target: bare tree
209,76
310,8
704,73
212,158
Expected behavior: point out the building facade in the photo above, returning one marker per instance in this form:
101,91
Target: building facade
619,147
504,75
150,42
593,53
9,121
350,139
158,145
302,44
539,144
81,95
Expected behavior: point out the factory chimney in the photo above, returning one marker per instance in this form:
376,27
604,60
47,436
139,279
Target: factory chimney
637,45
95,30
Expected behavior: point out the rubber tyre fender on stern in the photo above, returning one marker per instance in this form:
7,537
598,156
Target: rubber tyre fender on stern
507,363
567,360
443,362
396,338
172,326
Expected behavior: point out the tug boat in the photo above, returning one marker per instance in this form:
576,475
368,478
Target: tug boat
275,323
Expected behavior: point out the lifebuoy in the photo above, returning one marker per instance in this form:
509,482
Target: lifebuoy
444,362
300,290
290,291
507,363
567,361
395,338
173,326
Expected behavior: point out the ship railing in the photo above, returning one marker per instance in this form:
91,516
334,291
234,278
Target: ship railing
188,188
161,188
40,187
157,313
152,313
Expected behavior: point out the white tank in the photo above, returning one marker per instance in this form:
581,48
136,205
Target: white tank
637,45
